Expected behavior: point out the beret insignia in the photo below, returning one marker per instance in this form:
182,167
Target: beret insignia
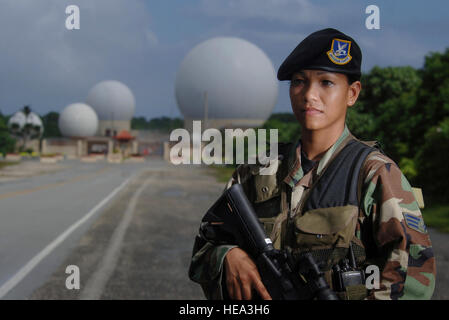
340,51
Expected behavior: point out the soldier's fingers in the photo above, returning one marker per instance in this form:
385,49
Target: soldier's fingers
230,287
247,294
237,292
261,290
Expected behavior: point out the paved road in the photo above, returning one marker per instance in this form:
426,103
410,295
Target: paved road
440,244
139,245
36,210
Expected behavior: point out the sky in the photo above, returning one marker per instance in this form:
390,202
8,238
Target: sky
143,42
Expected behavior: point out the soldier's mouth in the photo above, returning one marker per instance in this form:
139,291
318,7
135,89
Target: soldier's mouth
312,111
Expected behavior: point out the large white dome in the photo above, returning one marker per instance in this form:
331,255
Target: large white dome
78,120
112,100
238,77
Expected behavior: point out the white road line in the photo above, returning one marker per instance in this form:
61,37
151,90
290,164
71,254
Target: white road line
97,282
26,269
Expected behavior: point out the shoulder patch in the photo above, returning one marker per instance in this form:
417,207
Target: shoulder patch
414,222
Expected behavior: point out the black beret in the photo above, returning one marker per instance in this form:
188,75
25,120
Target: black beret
327,49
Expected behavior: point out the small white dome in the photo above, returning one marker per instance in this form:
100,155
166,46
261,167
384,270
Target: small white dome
238,77
78,120
34,119
19,120
112,100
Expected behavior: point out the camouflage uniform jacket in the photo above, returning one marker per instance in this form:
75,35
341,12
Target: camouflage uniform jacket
393,241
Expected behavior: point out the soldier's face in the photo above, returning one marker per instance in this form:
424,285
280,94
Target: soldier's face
320,98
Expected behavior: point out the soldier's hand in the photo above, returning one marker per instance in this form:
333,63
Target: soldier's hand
242,276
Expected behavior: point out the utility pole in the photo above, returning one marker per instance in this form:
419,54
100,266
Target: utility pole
112,123
205,110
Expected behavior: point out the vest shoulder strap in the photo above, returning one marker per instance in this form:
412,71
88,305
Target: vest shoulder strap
338,184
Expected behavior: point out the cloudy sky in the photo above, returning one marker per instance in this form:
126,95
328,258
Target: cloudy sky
142,42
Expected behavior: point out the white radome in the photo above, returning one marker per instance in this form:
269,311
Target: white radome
238,77
35,120
78,120
20,119
112,100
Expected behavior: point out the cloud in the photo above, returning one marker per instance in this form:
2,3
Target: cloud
291,12
392,48
142,43
44,63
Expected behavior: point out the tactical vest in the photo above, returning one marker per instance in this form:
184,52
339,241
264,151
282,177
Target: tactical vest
325,222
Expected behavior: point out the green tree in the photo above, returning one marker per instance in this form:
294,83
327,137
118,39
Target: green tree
139,123
164,124
431,160
7,143
284,117
288,127
386,110
433,95
50,121
382,84
362,125
408,106
287,131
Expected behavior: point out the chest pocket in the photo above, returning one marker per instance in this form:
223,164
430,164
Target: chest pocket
267,212
266,199
325,228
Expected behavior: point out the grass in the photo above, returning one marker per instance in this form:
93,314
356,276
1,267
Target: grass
222,173
437,216
8,163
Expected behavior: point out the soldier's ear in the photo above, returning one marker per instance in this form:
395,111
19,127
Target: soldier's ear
353,92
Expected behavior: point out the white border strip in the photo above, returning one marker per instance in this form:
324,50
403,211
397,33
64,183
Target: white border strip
26,269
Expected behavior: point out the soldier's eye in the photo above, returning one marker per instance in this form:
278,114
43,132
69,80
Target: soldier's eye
296,82
327,83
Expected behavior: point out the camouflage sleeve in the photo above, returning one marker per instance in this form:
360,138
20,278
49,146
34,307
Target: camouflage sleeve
394,234
206,267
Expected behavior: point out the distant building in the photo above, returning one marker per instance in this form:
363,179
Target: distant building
102,125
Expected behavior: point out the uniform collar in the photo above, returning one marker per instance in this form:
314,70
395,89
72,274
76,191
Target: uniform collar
296,173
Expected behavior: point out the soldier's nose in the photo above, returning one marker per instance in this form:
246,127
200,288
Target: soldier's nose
310,93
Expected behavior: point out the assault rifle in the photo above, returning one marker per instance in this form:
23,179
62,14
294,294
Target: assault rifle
232,220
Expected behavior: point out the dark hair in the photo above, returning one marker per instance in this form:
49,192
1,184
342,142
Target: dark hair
352,78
